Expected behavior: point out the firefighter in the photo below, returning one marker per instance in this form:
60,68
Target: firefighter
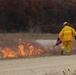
67,38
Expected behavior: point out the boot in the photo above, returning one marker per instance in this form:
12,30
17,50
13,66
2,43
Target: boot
68,53
61,52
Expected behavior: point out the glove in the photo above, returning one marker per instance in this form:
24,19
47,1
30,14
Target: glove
75,37
58,39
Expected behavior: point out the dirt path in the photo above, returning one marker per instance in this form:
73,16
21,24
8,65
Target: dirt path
37,66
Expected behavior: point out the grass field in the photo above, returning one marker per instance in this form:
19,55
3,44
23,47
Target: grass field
13,38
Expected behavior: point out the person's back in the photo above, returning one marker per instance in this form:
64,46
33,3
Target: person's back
66,36
67,33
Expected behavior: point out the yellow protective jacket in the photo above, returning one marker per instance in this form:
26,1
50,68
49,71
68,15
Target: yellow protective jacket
66,33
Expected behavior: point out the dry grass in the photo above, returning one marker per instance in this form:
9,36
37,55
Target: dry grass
30,35
11,40
63,72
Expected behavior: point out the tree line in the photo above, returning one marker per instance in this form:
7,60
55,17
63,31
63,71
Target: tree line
37,16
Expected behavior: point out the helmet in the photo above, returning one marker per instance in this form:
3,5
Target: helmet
65,23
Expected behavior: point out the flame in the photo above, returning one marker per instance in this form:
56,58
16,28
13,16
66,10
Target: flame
21,51
7,52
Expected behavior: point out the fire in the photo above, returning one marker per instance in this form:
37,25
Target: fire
7,52
21,51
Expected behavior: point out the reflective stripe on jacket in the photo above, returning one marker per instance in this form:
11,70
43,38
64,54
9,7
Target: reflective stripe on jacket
67,33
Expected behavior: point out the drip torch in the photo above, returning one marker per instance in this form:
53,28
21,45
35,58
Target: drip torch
57,43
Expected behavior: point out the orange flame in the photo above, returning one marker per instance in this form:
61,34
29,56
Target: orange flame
7,52
30,51
21,50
